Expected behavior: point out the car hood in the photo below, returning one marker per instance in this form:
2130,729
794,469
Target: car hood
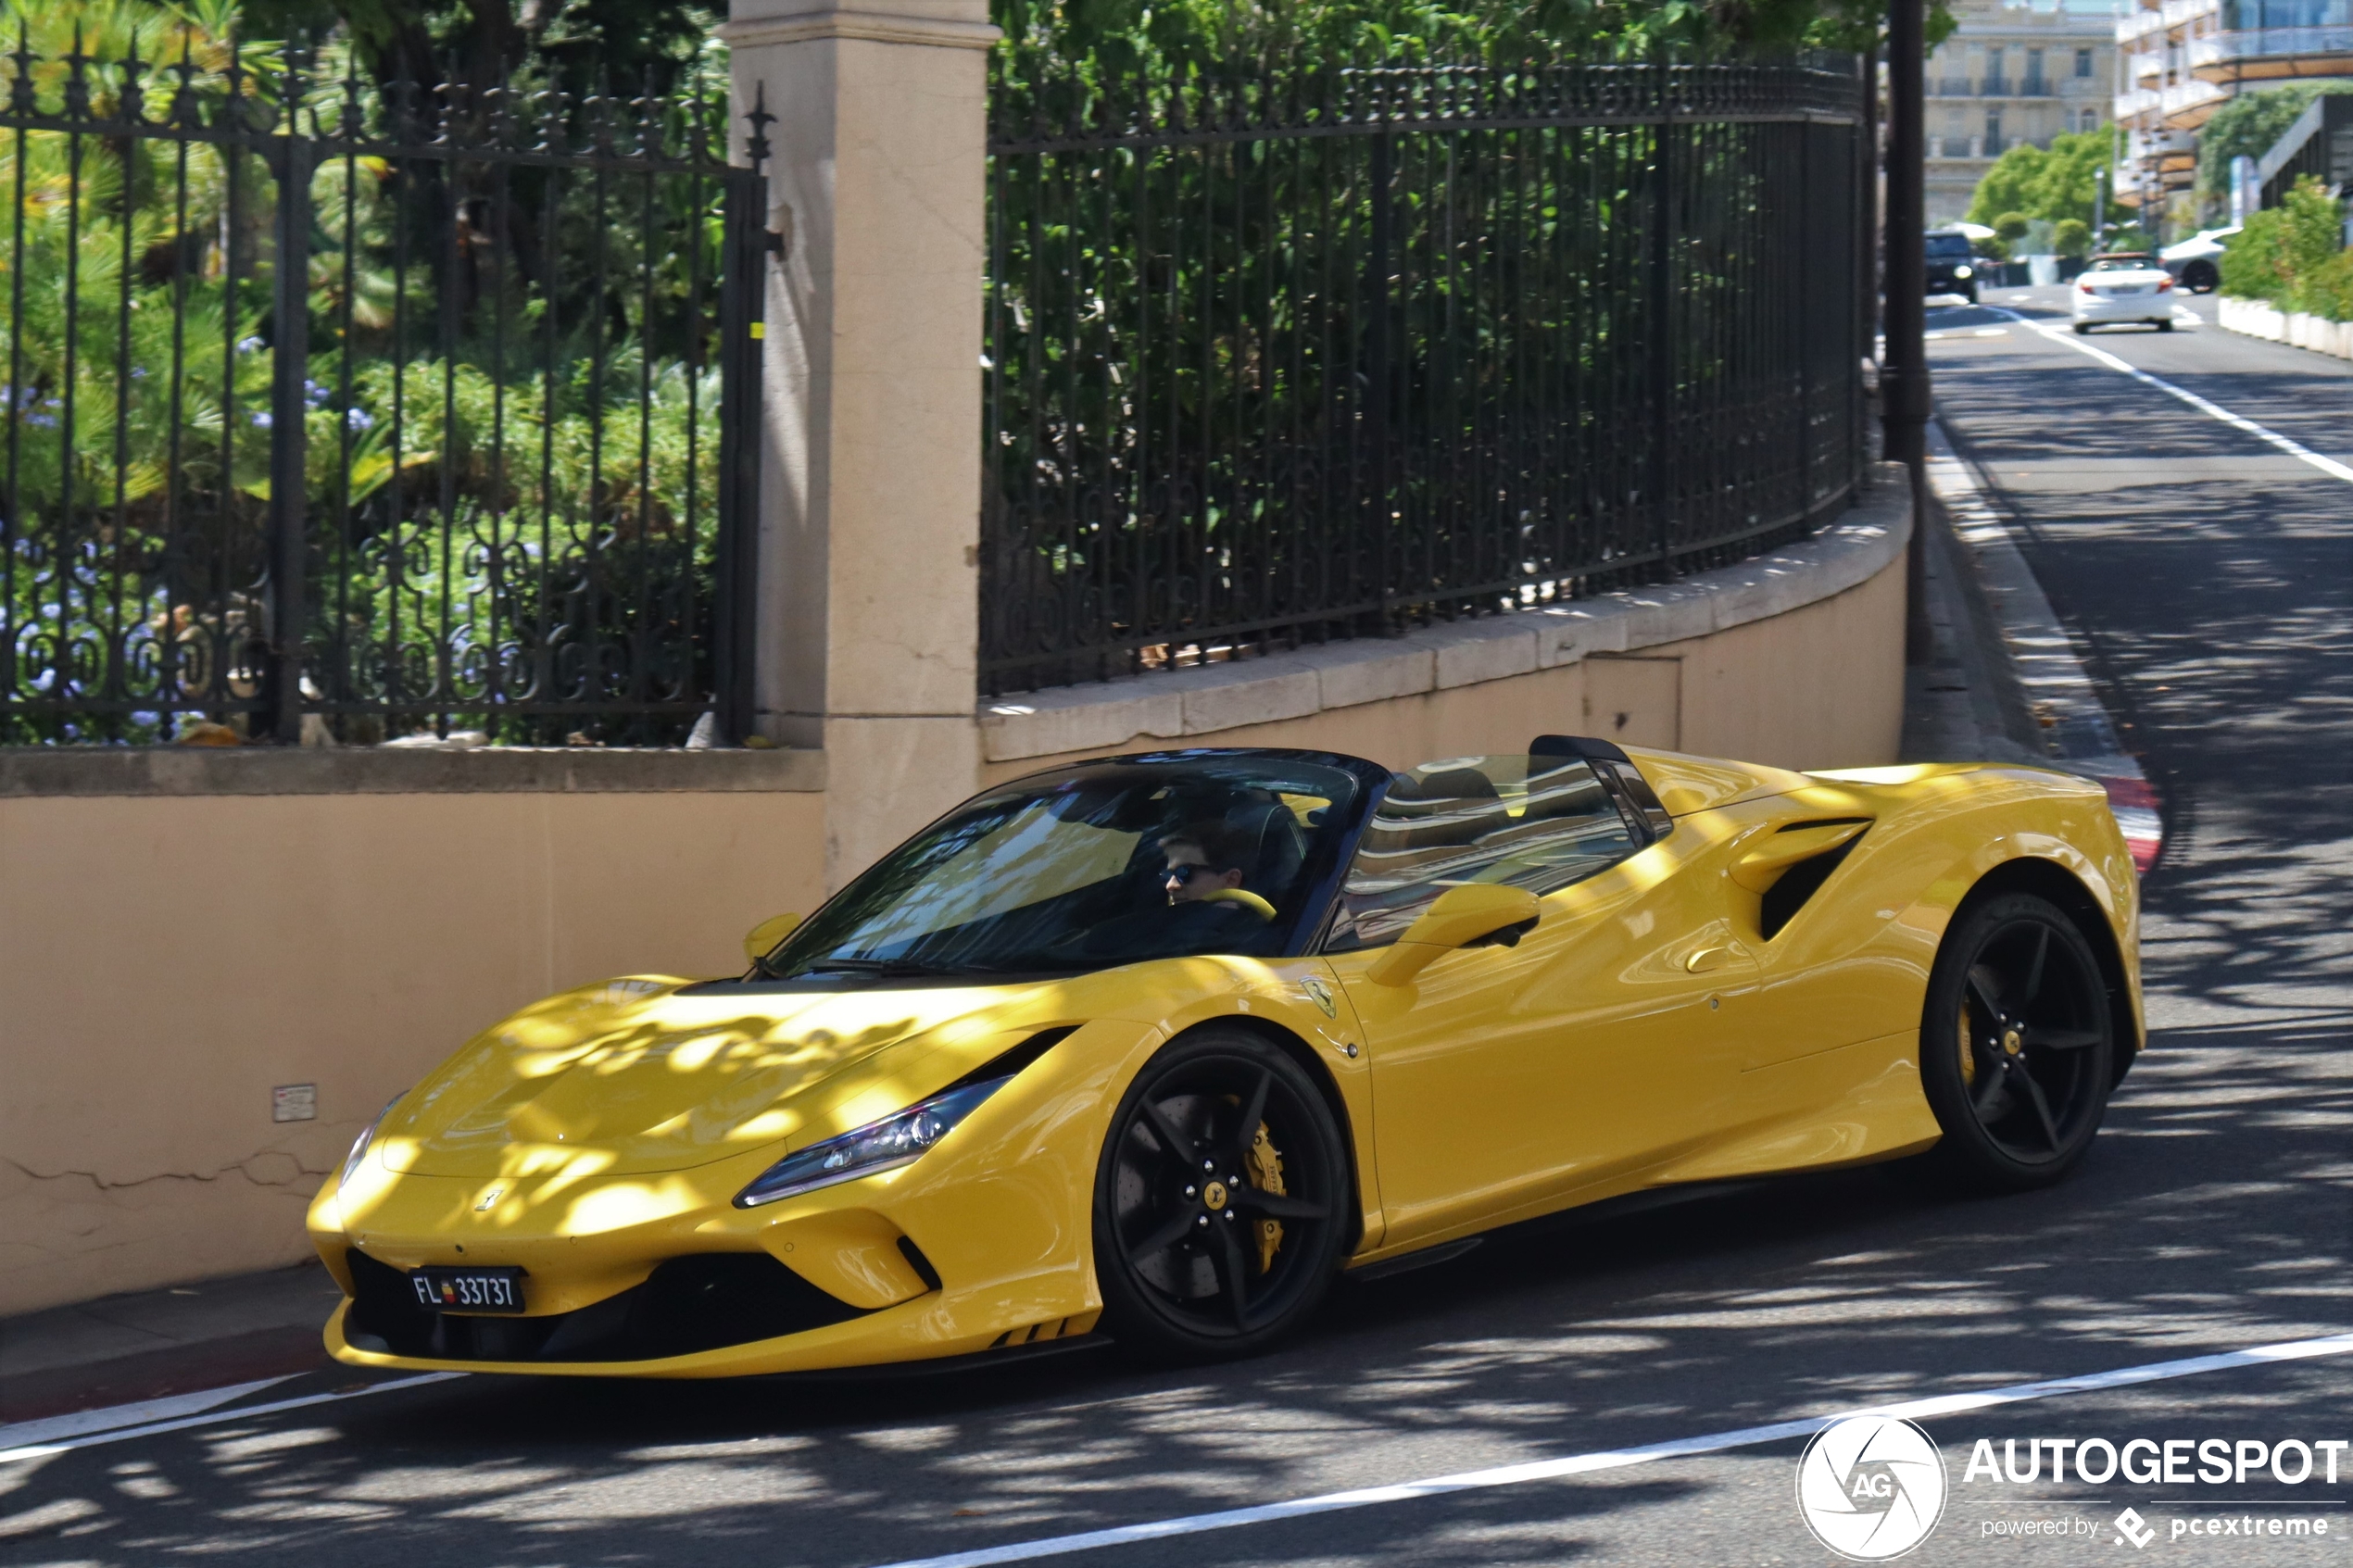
653,1073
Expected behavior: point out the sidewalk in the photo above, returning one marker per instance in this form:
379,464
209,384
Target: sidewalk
150,1344
1966,704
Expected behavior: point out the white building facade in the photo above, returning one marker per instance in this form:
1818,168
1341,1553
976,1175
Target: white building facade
2183,59
2013,75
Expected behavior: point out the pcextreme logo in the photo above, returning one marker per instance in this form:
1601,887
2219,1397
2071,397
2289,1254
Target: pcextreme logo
1870,1488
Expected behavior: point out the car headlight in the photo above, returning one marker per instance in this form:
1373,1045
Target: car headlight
367,1135
1962,273
879,1146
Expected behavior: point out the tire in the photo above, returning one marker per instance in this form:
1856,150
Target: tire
1204,1250
2201,276
2082,329
2165,326
2017,1046
1972,294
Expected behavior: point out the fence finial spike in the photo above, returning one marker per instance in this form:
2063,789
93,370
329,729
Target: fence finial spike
756,144
21,97
78,77
131,104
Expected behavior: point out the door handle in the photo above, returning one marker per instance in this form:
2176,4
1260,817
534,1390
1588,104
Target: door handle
1707,959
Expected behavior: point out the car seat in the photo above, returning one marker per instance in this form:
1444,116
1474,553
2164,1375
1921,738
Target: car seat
1277,847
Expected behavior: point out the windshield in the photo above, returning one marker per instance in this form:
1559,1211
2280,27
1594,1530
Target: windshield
1948,247
2123,264
1106,863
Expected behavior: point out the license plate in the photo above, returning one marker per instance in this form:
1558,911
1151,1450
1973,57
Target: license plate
468,1290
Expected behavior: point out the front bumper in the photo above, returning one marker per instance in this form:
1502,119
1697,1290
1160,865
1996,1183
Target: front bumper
983,1242
925,1328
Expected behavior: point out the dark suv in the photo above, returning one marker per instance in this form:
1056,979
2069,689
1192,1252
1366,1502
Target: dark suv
1952,267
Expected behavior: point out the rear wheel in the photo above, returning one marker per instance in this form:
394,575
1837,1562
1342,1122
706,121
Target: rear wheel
2165,326
2017,1046
2082,328
1218,1201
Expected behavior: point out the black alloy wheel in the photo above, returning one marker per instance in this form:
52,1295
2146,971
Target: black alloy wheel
2017,1045
1220,1199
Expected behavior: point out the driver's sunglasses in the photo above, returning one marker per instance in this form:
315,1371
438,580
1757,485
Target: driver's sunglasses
1183,875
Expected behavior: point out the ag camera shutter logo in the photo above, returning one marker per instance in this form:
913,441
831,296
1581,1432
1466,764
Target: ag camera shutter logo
1870,1488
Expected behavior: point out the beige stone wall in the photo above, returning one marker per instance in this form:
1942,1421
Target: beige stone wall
167,960
1821,687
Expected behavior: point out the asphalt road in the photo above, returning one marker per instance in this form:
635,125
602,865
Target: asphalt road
2209,572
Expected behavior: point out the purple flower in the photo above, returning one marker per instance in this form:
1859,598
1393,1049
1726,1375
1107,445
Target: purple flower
262,421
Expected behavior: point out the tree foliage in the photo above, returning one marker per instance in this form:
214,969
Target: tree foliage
2054,186
1121,34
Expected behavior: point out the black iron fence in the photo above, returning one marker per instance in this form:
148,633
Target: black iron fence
347,413
1325,355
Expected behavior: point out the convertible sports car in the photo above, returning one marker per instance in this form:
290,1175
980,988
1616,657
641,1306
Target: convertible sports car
1158,1046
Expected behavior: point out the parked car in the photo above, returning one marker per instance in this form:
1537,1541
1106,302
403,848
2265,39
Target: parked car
1097,1052
2196,262
1952,266
2130,286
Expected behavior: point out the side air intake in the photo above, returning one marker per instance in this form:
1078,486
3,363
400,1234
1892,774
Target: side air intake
1789,892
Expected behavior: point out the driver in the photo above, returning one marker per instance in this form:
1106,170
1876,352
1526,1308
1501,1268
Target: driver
1201,860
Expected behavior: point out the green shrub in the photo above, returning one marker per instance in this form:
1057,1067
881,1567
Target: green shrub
2290,256
2073,237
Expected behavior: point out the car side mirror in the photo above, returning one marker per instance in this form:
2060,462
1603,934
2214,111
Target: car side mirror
764,936
1460,917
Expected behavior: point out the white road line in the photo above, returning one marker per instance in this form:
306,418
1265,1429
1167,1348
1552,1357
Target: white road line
1617,1459
50,1428
2329,466
67,1445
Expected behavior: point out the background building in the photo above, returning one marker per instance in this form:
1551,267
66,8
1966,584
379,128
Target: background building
2183,59
2013,74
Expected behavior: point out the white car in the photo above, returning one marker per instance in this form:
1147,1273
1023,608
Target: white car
2123,288
2198,261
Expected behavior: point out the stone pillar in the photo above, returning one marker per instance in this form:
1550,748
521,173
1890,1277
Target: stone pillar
870,487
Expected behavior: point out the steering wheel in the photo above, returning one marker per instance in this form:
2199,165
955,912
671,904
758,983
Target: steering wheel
1244,896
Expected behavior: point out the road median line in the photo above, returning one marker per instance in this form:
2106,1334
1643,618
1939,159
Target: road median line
1618,1459
2296,449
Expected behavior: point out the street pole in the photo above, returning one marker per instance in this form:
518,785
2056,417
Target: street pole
1903,391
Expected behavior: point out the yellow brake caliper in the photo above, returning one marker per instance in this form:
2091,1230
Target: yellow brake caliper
1266,1176
1968,1056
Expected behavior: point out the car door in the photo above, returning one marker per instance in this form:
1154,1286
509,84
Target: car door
1507,1074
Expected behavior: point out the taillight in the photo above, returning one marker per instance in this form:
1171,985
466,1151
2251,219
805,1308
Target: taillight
2136,806
2086,287
2164,285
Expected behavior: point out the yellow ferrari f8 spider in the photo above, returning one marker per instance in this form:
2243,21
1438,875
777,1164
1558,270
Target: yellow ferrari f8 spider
1157,1047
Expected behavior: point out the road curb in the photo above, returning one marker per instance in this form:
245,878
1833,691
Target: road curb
2076,732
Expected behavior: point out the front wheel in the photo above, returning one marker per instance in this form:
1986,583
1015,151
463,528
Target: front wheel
2017,1046
1219,1200
2165,326
2082,329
